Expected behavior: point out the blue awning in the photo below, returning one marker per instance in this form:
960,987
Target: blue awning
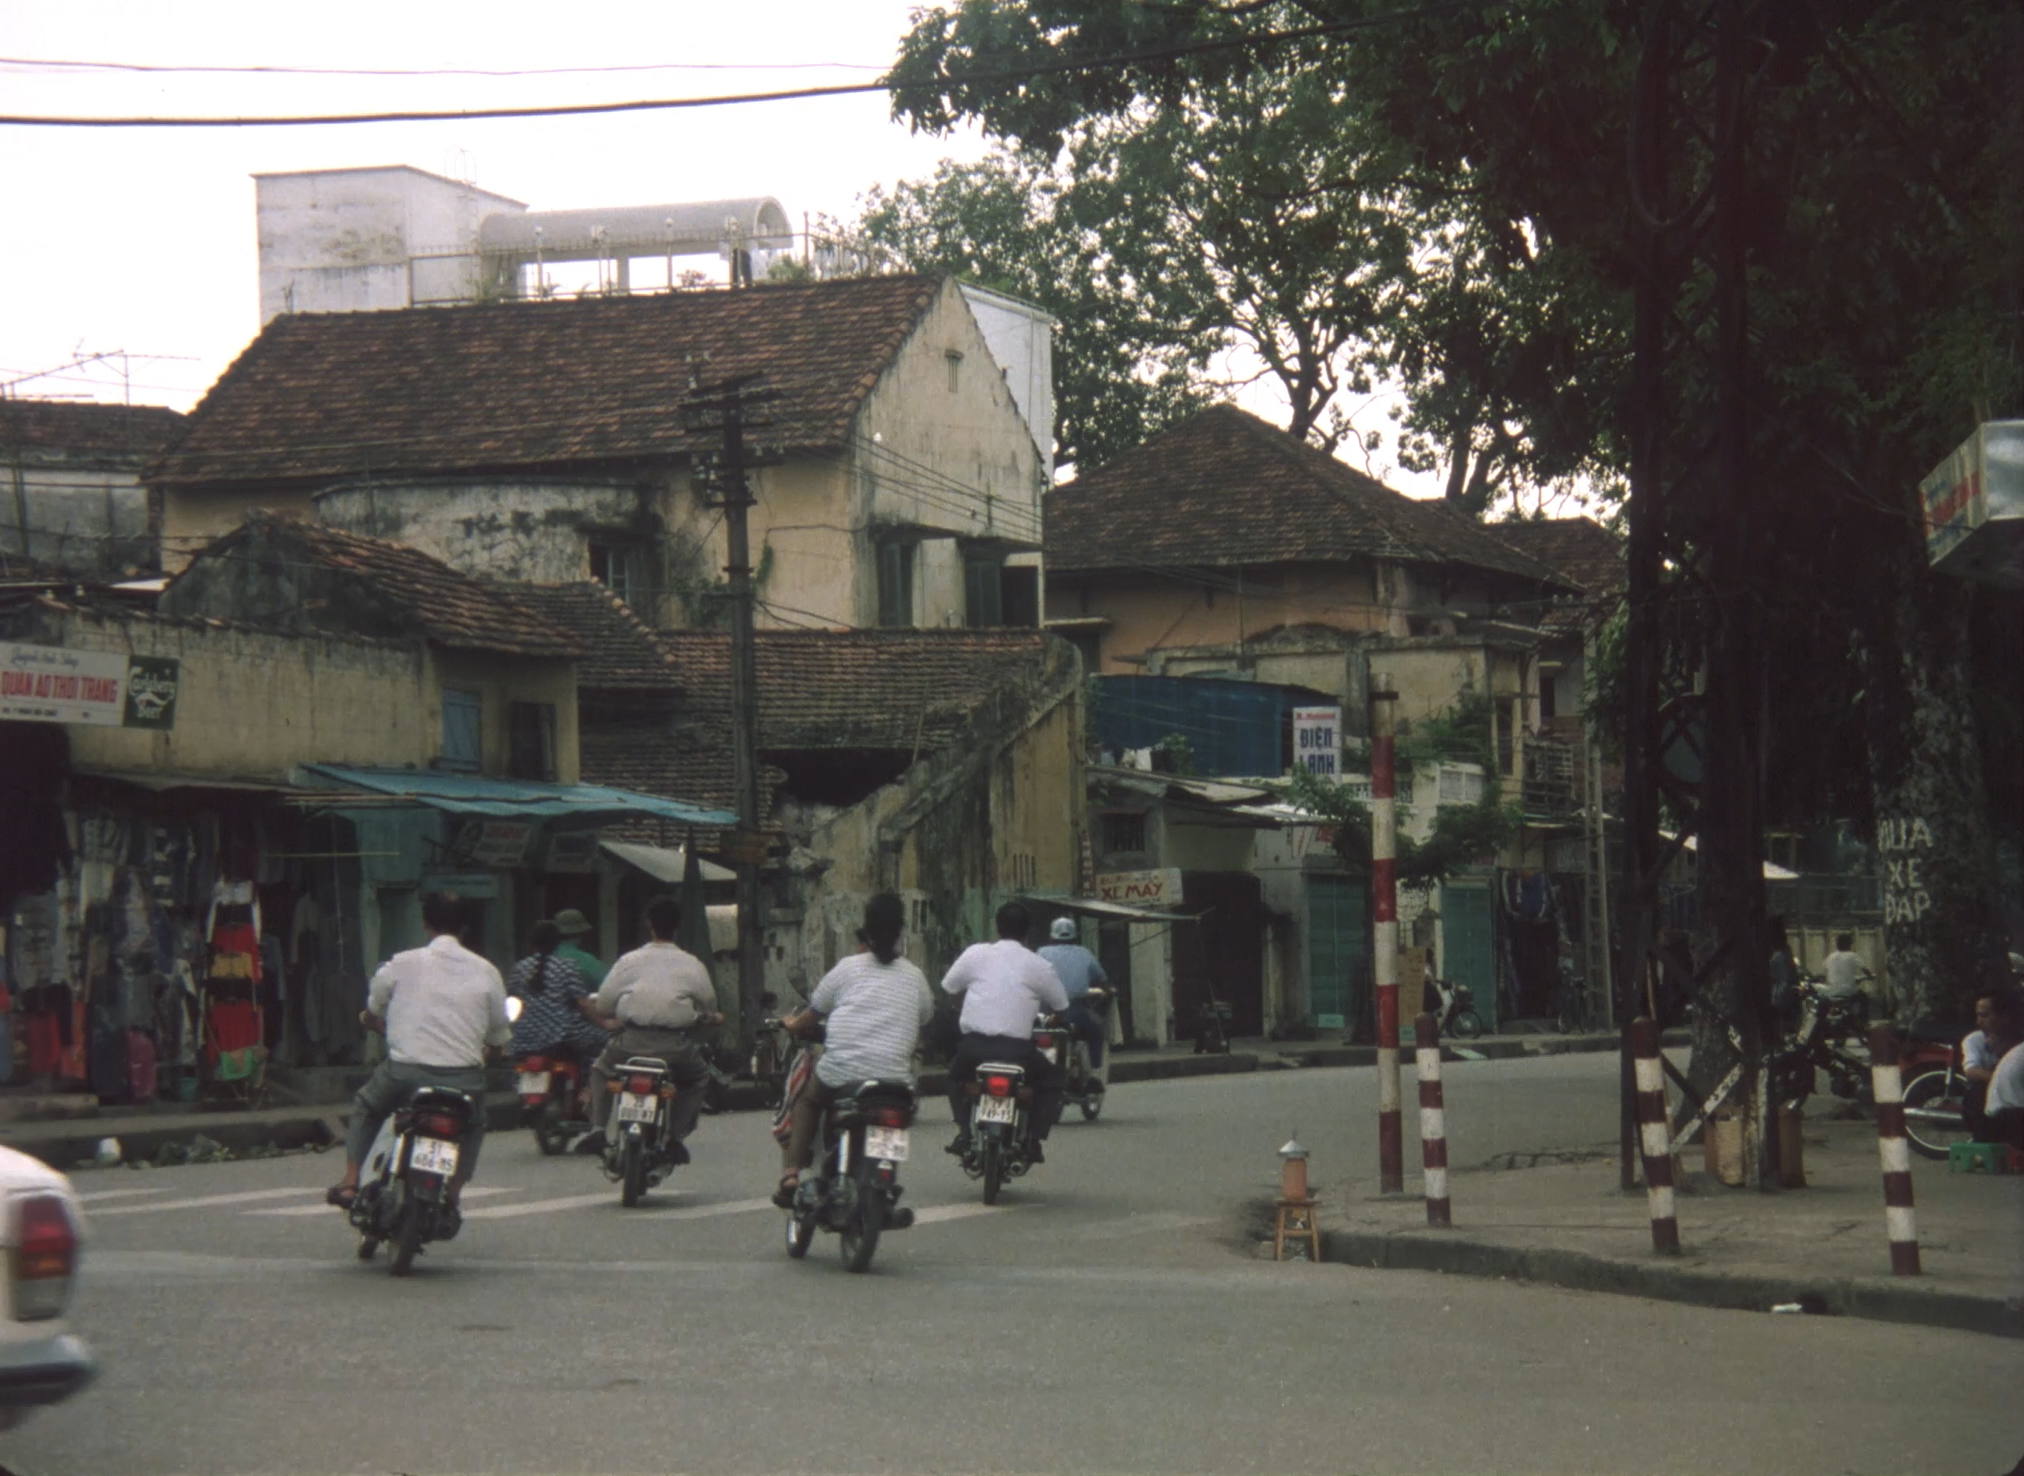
510,799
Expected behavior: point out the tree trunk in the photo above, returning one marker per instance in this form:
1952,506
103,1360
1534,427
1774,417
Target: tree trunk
1943,934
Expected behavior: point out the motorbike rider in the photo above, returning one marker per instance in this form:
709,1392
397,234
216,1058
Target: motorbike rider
442,1007
574,928
658,996
555,1000
1004,985
1079,972
875,1003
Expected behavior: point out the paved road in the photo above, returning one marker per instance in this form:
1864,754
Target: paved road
1107,1315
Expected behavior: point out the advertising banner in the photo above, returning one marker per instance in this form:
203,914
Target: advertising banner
51,684
1317,741
1154,889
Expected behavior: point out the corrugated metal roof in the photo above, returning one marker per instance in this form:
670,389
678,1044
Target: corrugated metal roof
473,794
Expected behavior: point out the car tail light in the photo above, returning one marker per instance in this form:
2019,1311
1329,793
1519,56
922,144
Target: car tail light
440,1125
998,1086
45,1256
641,1085
890,1117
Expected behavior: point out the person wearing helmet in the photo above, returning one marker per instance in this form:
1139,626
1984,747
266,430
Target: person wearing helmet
1079,970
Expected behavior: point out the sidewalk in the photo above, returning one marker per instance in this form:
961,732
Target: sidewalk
1565,1223
65,1129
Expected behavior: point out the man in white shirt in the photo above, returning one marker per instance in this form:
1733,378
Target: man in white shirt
442,1008
1993,1062
1844,971
1004,985
659,995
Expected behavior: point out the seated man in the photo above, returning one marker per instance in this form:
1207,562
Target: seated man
1004,985
1079,972
658,995
1993,1062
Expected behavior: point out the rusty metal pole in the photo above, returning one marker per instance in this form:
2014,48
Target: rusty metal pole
1653,1136
1433,1119
1887,1084
1385,915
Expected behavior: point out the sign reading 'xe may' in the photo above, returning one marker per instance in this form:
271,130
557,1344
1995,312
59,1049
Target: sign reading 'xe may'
106,689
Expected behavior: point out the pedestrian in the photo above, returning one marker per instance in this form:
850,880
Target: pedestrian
1784,970
574,928
443,1010
658,996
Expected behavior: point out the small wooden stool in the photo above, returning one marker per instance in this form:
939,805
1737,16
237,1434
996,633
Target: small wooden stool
1297,1222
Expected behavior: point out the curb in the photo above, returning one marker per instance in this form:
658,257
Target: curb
1873,1300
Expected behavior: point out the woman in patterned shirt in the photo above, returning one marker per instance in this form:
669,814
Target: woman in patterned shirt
554,1015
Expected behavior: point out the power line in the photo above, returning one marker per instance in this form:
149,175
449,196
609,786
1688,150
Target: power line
1103,62
57,64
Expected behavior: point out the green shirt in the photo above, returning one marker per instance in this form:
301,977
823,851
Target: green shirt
588,964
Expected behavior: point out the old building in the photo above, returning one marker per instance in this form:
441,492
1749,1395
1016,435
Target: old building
74,498
549,441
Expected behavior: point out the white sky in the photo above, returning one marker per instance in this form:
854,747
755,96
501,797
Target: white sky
143,240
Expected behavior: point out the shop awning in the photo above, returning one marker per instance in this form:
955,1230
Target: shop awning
663,863
511,799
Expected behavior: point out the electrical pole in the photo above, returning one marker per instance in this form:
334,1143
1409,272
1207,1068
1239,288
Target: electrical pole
725,404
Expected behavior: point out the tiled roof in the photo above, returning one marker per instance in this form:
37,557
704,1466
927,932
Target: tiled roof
1224,488
620,650
433,600
539,384
1580,550
84,428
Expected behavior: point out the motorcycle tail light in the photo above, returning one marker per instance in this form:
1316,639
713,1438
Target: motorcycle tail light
45,1256
890,1117
1045,1042
643,1086
535,1063
998,1086
440,1126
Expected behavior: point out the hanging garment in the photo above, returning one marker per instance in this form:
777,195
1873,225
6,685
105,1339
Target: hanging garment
141,1074
43,1034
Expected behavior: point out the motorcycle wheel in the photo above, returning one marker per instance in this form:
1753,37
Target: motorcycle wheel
860,1237
1091,1105
407,1238
368,1247
1466,1025
548,1131
800,1235
632,1172
1927,1092
1564,1024
993,1155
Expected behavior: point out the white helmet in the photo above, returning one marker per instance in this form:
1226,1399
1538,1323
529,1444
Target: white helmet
1063,930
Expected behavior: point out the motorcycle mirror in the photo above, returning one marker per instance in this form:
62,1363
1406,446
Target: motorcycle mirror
513,1007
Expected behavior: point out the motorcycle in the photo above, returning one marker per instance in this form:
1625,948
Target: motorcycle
1820,1042
1454,1005
553,1099
1935,1091
853,1189
643,1149
407,1201
998,1147
1082,1084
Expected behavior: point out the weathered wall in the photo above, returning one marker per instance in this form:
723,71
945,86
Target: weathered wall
192,519
65,511
1021,337
254,704
503,680
537,531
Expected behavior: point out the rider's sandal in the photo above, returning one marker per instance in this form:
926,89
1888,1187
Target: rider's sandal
784,1195
340,1195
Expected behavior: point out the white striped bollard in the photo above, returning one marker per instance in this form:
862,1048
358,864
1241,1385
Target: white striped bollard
1888,1087
1653,1136
1433,1119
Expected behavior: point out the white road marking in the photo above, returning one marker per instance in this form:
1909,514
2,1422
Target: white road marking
648,1211
543,1206
941,1212
304,1211
708,1211
204,1201
96,1195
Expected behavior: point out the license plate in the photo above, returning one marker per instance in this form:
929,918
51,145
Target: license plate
635,1108
534,1083
995,1109
433,1156
886,1143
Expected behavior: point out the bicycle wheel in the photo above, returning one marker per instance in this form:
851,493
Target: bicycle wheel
1935,1112
1465,1025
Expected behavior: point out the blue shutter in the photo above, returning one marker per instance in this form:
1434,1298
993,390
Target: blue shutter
463,729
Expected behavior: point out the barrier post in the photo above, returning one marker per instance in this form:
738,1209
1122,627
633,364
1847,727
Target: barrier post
1433,1119
1385,918
1653,1136
1887,1084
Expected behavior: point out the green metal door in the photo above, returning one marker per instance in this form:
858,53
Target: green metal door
1469,954
1338,948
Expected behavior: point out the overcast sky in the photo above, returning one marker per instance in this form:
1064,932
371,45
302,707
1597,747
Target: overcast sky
143,240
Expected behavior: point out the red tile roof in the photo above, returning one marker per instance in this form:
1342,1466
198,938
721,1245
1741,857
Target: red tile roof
81,428
539,384
1583,552
1224,489
621,651
261,564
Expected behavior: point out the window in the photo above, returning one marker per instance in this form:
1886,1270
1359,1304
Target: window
1019,595
955,370
620,568
983,589
896,584
1090,644
1123,833
1507,728
530,740
463,730
1549,696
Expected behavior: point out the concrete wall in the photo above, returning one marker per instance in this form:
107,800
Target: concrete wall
538,531
65,511
343,240
1021,337
191,519
253,705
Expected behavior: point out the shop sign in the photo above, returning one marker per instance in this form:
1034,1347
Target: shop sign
1159,888
1974,507
101,689
572,850
1317,741
496,842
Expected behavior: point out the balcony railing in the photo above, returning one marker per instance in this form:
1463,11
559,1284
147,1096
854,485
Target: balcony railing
1552,783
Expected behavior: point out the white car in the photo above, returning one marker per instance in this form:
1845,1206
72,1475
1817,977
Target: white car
42,1235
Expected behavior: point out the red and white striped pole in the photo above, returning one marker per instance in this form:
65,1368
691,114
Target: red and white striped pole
1384,841
1433,1119
1653,1135
1887,1084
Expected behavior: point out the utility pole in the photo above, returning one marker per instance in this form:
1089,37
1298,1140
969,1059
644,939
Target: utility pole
725,404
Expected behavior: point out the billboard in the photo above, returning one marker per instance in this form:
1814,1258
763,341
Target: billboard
103,689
